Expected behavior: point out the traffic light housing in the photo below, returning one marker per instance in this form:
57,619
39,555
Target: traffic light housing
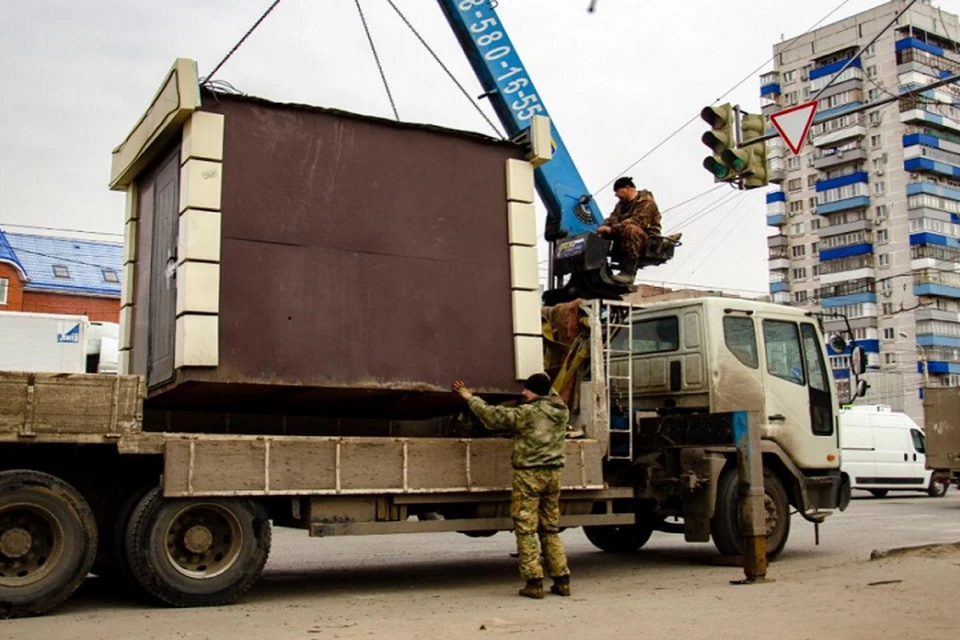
721,139
750,161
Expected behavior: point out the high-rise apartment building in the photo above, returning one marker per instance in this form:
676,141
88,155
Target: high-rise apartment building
867,218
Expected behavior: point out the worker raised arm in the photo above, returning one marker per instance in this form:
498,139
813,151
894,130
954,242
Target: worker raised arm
539,426
634,219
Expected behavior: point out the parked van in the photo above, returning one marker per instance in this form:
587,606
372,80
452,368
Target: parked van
882,450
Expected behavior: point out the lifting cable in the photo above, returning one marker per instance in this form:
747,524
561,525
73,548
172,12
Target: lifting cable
373,48
446,69
209,77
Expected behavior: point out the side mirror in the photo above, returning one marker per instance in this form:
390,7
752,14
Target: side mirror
858,360
837,343
862,387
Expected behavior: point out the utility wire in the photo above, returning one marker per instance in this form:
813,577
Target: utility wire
240,42
376,57
446,70
723,239
720,222
63,259
31,226
713,206
689,200
725,94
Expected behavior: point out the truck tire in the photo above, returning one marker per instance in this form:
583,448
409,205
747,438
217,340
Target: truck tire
197,552
618,538
48,542
936,489
725,524
114,565
879,493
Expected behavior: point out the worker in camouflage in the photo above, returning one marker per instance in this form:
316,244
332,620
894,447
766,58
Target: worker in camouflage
539,427
635,218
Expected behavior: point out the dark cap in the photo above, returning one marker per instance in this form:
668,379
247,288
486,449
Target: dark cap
539,383
623,182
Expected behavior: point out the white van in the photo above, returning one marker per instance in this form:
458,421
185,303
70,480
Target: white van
882,450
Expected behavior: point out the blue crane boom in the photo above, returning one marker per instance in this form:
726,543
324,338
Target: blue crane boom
515,99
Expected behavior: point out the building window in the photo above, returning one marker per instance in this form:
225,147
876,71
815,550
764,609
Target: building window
815,224
800,274
797,229
872,94
4,286
883,259
110,275
814,248
888,333
795,184
874,117
890,358
813,203
799,296
816,270
879,187
789,76
60,271
869,51
811,180
886,308
881,211
872,71
885,284
883,236
876,142
793,162
795,207
798,251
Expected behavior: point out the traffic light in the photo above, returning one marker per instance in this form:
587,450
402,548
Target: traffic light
720,139
750,161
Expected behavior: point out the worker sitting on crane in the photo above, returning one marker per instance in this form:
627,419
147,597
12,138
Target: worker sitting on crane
634,219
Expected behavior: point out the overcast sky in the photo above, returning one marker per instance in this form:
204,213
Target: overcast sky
77,75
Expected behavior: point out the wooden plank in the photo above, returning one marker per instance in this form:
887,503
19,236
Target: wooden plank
473,524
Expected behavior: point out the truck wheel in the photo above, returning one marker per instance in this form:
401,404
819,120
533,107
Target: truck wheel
936,489
618,538
725,524
48,541
878,493
114,567
197,552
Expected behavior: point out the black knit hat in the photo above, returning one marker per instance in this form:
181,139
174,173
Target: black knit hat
623,182
539,383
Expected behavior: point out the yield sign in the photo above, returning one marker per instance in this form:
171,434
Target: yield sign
792,124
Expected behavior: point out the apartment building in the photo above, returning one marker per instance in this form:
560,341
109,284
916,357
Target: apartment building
867,218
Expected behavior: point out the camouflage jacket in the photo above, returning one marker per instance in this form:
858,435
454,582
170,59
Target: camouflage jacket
539,429
642,211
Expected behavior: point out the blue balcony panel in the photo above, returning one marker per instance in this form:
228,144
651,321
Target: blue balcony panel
836,111
913,43
830,69
914,139
777,287
770,89
776,196
926,164
776,220
857,202
915,188
845,252
934,289
925,237
854,298
842,181
841,374
931,340
935,366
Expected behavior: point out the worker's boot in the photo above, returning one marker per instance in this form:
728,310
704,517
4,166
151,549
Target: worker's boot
628,272
561,586
534,589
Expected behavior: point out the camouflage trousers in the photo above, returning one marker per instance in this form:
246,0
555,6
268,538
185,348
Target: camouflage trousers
535,509
629,240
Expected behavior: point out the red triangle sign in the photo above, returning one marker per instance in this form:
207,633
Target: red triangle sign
793,124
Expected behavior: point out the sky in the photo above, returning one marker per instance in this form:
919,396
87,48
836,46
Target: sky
618,81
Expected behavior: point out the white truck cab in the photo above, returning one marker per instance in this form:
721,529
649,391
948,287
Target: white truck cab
883,450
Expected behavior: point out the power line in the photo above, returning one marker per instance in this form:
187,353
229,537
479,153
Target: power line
725,94
240,42
720,242
713,206
63,259
689,200
719,222
38,228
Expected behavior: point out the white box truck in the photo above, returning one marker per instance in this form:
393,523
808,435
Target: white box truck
883,450
56,343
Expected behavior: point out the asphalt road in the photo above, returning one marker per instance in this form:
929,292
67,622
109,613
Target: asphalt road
435,585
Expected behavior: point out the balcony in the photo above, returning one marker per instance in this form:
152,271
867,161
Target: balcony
780,263
829,158
847,288
860,249
840,229
776,220
931,282
857,202
777,240
779,287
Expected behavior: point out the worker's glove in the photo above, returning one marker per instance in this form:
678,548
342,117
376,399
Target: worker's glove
461,389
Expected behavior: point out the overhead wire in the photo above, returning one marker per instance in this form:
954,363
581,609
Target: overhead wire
723,238
702,212
64,259
62,229
739,196
721,97
376,58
